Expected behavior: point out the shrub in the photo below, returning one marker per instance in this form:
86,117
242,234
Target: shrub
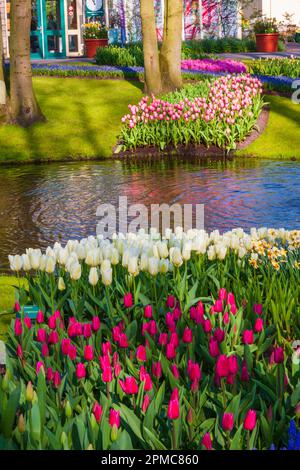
128,56
222,117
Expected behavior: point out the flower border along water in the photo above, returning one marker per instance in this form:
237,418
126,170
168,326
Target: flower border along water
182,341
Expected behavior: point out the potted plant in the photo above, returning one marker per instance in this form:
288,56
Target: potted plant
95,35
267,35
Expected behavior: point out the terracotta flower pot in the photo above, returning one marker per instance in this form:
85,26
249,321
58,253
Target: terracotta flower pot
91,46
267,42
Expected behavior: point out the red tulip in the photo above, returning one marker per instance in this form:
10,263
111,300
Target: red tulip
104,361
175,371
163,339
194,371
157,369
206,441
174,339
53,337
56,379
80,371
170,351
245,377
171,301
219,335
52,322
207,326
259,325
39,366
18,327
226,318
114,418
128,300
278,355
230,379
45,350
248,337
173,407
233,365
177,313
213,348
87,330
117,369
148,311
96,324
228,421
250,420
218,306
41,335
187,336
146,403
49,374
19,351
17,307
233,309
258,309
145,377
222,366
88,353
222,294
141,353
107,374
129,386
65,346
106,348
40,317
97,411
123,341
152,328
230,299
72,352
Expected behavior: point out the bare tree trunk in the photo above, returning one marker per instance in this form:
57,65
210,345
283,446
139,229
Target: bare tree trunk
170,54
24,107
3,93
150,46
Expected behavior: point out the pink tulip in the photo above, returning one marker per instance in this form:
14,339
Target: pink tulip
171,301
248,337
222,366
258,309
65,346
207,327
19,351
18,327
175,371
219,335
187,336
146,403
233,365
173,407
72,352
80,371
87,330
223,294
123,341
40,317
53,337
170,351
96,324
259,325
163,339
278,356
128,300
52,322
88,353
228,421
107,375
49,374
148,311
114,418
41,335
230,299
106,348
213,347
45,350
218,306
56,379
17,307
97,411
250,420
129,386
245,377
141,353
39,366
206,441
226,318
157,369
193,370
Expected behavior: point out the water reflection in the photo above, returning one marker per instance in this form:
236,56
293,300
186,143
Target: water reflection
43,203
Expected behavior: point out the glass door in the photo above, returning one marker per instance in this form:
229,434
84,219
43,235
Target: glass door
36,33
54,28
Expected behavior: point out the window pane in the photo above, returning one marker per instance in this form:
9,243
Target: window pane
73,43
53,15
72,14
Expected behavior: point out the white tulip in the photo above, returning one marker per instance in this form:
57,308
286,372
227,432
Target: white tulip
242,252
93,257
144,262
175,256
107,277
186,250
163,250
164,266
114,256
16,262
61,284
50,265
153,266
26,263
211,253
93,277
133,266
62,256
43,262
221,251
75,271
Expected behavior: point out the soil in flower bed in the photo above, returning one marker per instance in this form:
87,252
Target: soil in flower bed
193,150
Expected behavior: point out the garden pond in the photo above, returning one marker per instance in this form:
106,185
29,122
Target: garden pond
40,204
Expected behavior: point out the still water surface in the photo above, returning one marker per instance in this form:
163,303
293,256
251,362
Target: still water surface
40,204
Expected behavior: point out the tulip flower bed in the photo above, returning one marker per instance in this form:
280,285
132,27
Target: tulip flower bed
214,66
223,116
148,342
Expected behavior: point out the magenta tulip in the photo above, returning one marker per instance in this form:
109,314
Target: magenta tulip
228,421
250,420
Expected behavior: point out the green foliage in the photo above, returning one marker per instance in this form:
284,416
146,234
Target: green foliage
266,26
275,67
128,56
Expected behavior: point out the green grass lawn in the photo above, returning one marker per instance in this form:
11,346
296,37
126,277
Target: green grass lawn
282,136
7,299
83,120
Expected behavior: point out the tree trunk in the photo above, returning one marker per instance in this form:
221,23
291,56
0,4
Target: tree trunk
150,45
24,107
3,93
170,54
